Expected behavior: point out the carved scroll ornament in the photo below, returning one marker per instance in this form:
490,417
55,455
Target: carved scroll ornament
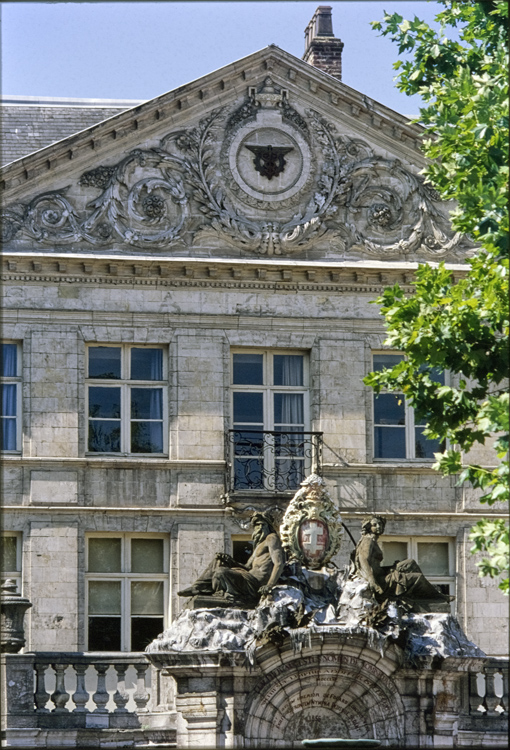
177,192
140,204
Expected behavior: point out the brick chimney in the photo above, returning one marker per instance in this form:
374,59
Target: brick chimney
322,49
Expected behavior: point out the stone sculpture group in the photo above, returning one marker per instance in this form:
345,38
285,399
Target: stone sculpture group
402,582
310,536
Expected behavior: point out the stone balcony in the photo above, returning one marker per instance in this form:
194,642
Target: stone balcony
270,461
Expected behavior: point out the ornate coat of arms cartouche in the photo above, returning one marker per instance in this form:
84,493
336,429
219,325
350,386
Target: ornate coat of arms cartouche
311,529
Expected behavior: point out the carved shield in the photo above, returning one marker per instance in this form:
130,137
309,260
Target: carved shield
313,539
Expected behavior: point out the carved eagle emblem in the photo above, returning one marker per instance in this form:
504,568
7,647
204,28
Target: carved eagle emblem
269,161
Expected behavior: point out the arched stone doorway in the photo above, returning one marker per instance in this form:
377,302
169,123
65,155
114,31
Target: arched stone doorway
329,690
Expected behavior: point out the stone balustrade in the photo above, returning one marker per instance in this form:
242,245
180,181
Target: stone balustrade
487,690
48,699
77,684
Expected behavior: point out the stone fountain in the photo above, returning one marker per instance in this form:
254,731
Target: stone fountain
289,651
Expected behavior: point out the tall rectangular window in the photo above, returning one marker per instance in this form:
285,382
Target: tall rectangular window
397,432
126,399
434,555
10,557
10,396
127,591
271,448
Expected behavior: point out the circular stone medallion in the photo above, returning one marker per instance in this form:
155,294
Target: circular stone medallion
268,163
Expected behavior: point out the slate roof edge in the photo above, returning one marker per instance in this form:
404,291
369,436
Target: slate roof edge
63,101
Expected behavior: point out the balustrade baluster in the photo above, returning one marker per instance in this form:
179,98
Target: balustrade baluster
504,698
120,697
491,700
141,696
80,697
60,696
101,696
41,696
474,699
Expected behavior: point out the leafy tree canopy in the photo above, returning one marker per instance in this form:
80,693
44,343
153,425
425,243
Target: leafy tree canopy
460,325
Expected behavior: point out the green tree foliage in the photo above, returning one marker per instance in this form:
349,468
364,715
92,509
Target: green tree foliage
460,325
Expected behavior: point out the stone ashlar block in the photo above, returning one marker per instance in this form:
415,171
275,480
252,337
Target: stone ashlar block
352,427
53,447
192,364
198,452
202,404
49,527
478,596
490,610
329,426
211,438
186,439
54,487
210,384
193,497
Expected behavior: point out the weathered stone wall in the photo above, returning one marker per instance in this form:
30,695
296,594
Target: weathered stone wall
51,575
181,495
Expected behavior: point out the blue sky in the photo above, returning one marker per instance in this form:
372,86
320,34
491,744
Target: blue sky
138,50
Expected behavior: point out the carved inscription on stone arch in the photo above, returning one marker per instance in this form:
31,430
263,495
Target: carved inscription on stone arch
324,695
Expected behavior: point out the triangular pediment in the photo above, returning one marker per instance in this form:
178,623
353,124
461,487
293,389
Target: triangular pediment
265,157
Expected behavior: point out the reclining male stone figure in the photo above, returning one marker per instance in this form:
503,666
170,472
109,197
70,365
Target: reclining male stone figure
243,585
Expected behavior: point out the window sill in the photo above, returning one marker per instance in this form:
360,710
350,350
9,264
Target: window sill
156,456
380,465
425,461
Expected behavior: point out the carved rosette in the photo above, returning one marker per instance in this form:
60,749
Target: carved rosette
311,530
262,177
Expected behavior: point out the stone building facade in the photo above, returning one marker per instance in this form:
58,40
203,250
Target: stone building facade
187,291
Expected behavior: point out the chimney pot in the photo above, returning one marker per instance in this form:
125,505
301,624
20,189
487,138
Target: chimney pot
322,49
324,21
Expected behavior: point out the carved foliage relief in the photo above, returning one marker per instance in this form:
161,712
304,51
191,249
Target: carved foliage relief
264,178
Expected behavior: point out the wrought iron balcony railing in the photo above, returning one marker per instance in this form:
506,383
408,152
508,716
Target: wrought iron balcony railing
271,460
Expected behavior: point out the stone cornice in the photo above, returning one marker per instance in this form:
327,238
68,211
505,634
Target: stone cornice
171,109
128,462
117,462
135,271
217,510
220,323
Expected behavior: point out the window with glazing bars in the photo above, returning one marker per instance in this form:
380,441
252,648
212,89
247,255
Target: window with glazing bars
434,555
127,591
270,417
397,432
126,399
10,396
